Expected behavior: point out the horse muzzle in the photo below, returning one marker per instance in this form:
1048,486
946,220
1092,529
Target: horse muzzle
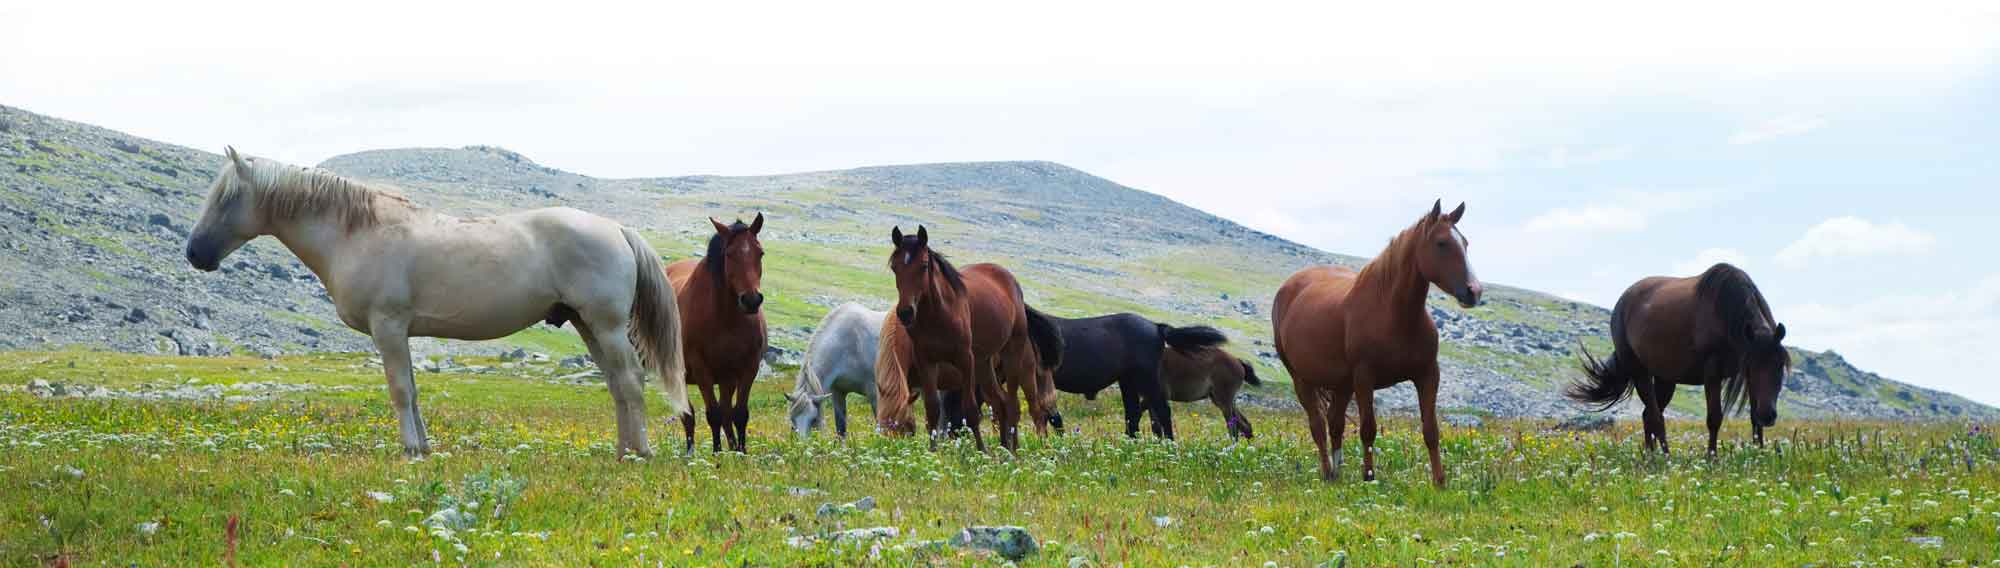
205,262
1468,296
750,302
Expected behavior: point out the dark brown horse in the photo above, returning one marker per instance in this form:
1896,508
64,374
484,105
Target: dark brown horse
1712,330
1213,374
724,339
1344,334
976,323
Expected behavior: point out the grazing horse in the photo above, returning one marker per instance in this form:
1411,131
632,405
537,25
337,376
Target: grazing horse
719,301
396,270
1124,349
1712,330
840,360
1344,334
976,323
1213,374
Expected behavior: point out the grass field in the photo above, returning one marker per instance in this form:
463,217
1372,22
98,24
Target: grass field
314,478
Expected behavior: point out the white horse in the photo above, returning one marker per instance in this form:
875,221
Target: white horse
396,270
840,360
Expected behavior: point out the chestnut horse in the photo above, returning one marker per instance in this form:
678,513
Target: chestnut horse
724,338
1344,334
976,323
1712,330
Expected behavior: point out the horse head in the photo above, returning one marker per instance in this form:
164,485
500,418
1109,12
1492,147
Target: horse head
1765,365
229,219
741,257
1441,257
805,410
914,265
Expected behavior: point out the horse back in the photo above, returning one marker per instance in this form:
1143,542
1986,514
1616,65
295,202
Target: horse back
680,271
1309,322
993,301
1656,319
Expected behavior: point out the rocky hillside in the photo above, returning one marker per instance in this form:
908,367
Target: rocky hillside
92,222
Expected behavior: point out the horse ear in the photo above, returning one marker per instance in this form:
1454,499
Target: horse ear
1458,213
923,237
235,159
1779,336
757,225
896,236
788,398
720,228
1437,208
820,397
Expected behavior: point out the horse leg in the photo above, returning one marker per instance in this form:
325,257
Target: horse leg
710,404
393,341
615,357
725,410
1663,393
743,411
1336,414
933,406
1714,393
1364,404
1157,404
982,379
840,415
1757,433
1648,407
1130,395
1309,397
1427,393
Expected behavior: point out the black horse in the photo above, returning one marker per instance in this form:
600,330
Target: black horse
1124,349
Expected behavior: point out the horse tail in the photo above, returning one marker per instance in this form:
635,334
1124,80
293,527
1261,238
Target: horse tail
656,322
1047,337
892,387
1608,381
1250,374
1185,339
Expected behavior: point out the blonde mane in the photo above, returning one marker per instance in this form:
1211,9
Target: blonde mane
287,192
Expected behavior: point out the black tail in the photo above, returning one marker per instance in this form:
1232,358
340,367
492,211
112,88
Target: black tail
1048,339
1608,382
1250,374
1192,337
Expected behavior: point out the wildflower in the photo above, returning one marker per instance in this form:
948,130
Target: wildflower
1592,537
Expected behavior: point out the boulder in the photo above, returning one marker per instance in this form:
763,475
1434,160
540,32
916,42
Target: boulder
1010,542
1585,423
1464,420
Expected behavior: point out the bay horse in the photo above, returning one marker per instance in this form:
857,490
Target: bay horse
1345,334
396,270
1712,330
1210,373
720,299
1124,349
977,323
840,360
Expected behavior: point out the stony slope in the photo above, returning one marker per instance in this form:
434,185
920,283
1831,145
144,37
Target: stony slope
95,220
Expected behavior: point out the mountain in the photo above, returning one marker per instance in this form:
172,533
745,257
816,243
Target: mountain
92,222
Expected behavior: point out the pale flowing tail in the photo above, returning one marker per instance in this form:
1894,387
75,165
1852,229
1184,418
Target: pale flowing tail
656,323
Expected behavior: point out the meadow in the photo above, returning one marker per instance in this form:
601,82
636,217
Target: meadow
525,475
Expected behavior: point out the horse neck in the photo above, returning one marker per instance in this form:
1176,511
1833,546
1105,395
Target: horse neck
319,241
704,283
1392,278
945,302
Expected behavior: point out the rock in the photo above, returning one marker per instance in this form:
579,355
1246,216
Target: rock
278,271
803,491
515,355
1339,560
1926,541
775,356
576,362
129,148
160,220
1246,308
428,366
135,316
853,536
1464,420
538,357
1010,542
1080,562
865,504
309,332
1585,423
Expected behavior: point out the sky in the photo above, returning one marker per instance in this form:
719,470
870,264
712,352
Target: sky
1845,157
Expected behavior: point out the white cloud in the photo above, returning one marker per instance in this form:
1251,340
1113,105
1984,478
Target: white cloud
1707,258
1630,211
1852,237
1927,340
1788,125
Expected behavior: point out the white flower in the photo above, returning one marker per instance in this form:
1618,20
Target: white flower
384,523
1266,529
147,528
287,493
1592,537
381,497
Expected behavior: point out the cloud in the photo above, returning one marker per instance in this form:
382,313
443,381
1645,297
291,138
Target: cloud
1852,237
1629,212
1923,339
1563,156
1787,125
1708,257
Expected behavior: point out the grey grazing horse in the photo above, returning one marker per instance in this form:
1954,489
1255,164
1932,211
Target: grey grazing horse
840,360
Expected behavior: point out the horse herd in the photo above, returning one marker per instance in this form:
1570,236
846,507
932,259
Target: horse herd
956,339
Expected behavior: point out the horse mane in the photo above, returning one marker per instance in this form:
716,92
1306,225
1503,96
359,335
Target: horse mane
290,192
1736,302
892,388
1393,256
713,262
950,273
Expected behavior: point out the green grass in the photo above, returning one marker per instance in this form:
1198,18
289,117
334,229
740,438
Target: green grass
297,472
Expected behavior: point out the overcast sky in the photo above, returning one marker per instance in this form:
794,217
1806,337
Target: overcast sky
1850,160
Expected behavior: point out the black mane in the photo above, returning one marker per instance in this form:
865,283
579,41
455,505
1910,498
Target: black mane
1738,303
713,261
944,266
